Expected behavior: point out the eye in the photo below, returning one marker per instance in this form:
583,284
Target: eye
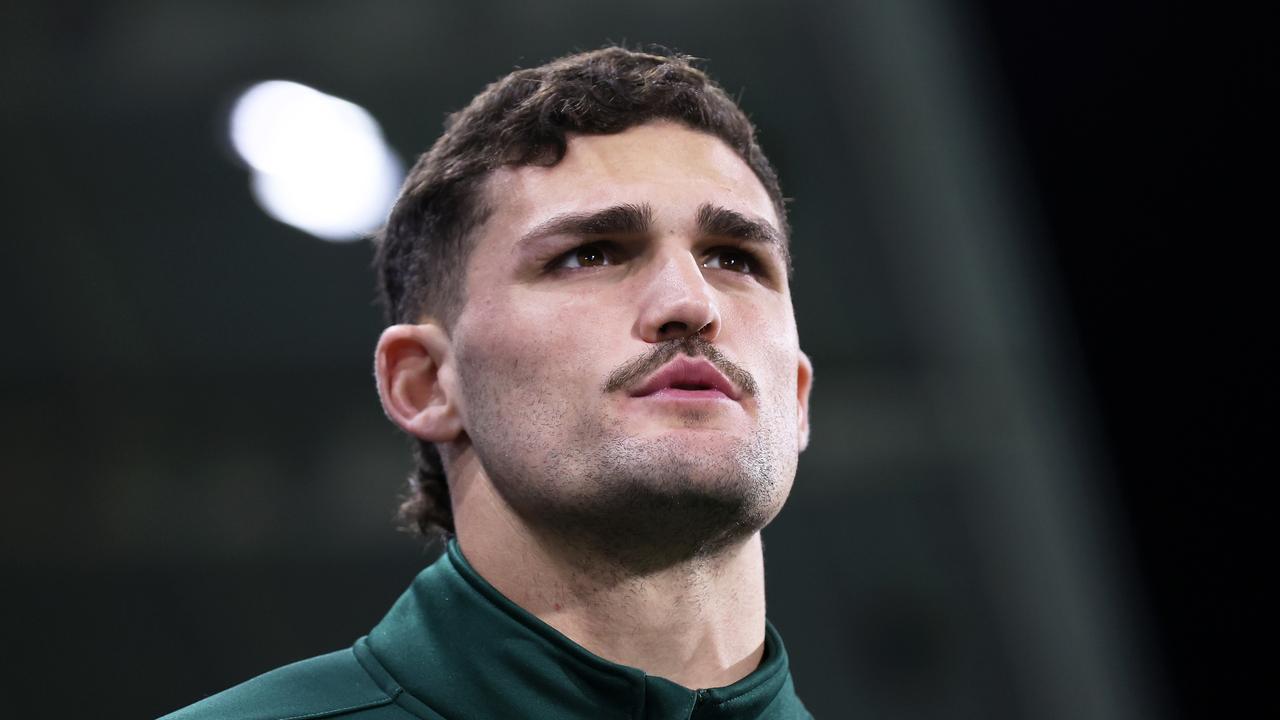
584,256
733,260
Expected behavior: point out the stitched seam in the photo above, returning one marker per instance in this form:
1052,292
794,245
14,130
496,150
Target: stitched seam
325,713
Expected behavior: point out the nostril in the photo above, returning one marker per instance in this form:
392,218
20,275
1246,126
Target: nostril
673,327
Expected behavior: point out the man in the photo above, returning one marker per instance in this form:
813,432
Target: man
595,353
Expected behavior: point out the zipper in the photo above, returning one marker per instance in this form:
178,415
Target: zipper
698,697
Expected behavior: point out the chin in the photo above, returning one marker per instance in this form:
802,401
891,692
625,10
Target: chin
644,497
649,504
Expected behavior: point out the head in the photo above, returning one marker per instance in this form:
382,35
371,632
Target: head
581,234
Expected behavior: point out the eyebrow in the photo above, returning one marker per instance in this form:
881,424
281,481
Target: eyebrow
631,219
723,222
719,221
625,219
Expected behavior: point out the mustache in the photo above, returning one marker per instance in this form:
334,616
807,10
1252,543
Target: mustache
638,368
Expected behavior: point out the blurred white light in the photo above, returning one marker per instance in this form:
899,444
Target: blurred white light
319,162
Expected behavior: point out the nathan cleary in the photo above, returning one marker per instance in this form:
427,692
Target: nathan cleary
593,348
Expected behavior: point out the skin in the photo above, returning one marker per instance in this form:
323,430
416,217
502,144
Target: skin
629,524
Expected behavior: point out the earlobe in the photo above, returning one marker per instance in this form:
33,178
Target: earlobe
414,368
804,383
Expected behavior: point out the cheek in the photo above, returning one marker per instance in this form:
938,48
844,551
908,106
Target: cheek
777,359
782,382
768,335
525,349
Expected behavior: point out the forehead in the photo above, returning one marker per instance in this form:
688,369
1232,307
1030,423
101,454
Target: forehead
671,167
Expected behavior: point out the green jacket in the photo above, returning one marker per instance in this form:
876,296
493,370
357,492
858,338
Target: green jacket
453,647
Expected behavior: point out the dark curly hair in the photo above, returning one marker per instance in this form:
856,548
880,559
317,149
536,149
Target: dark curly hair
522,119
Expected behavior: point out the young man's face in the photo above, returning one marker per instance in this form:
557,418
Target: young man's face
583,405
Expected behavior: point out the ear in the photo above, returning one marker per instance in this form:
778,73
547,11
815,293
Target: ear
417,382
804,382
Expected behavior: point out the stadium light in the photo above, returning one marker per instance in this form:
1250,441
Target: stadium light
319,163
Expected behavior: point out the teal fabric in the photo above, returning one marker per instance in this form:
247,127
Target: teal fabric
453,647
333,685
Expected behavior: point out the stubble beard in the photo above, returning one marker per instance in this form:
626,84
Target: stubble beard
635,504
638,504
648,504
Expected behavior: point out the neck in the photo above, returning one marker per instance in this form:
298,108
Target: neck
698,622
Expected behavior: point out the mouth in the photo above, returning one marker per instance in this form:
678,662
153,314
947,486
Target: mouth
687,378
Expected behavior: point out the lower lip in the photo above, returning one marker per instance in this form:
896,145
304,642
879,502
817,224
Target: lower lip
681,394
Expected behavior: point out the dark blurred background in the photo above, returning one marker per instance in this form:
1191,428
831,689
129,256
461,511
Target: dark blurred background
1022,239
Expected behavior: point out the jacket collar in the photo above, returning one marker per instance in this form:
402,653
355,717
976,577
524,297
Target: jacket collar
454,644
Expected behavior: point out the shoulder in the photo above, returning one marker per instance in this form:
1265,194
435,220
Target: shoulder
333,685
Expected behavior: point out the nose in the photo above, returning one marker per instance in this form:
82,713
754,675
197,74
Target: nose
677,301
